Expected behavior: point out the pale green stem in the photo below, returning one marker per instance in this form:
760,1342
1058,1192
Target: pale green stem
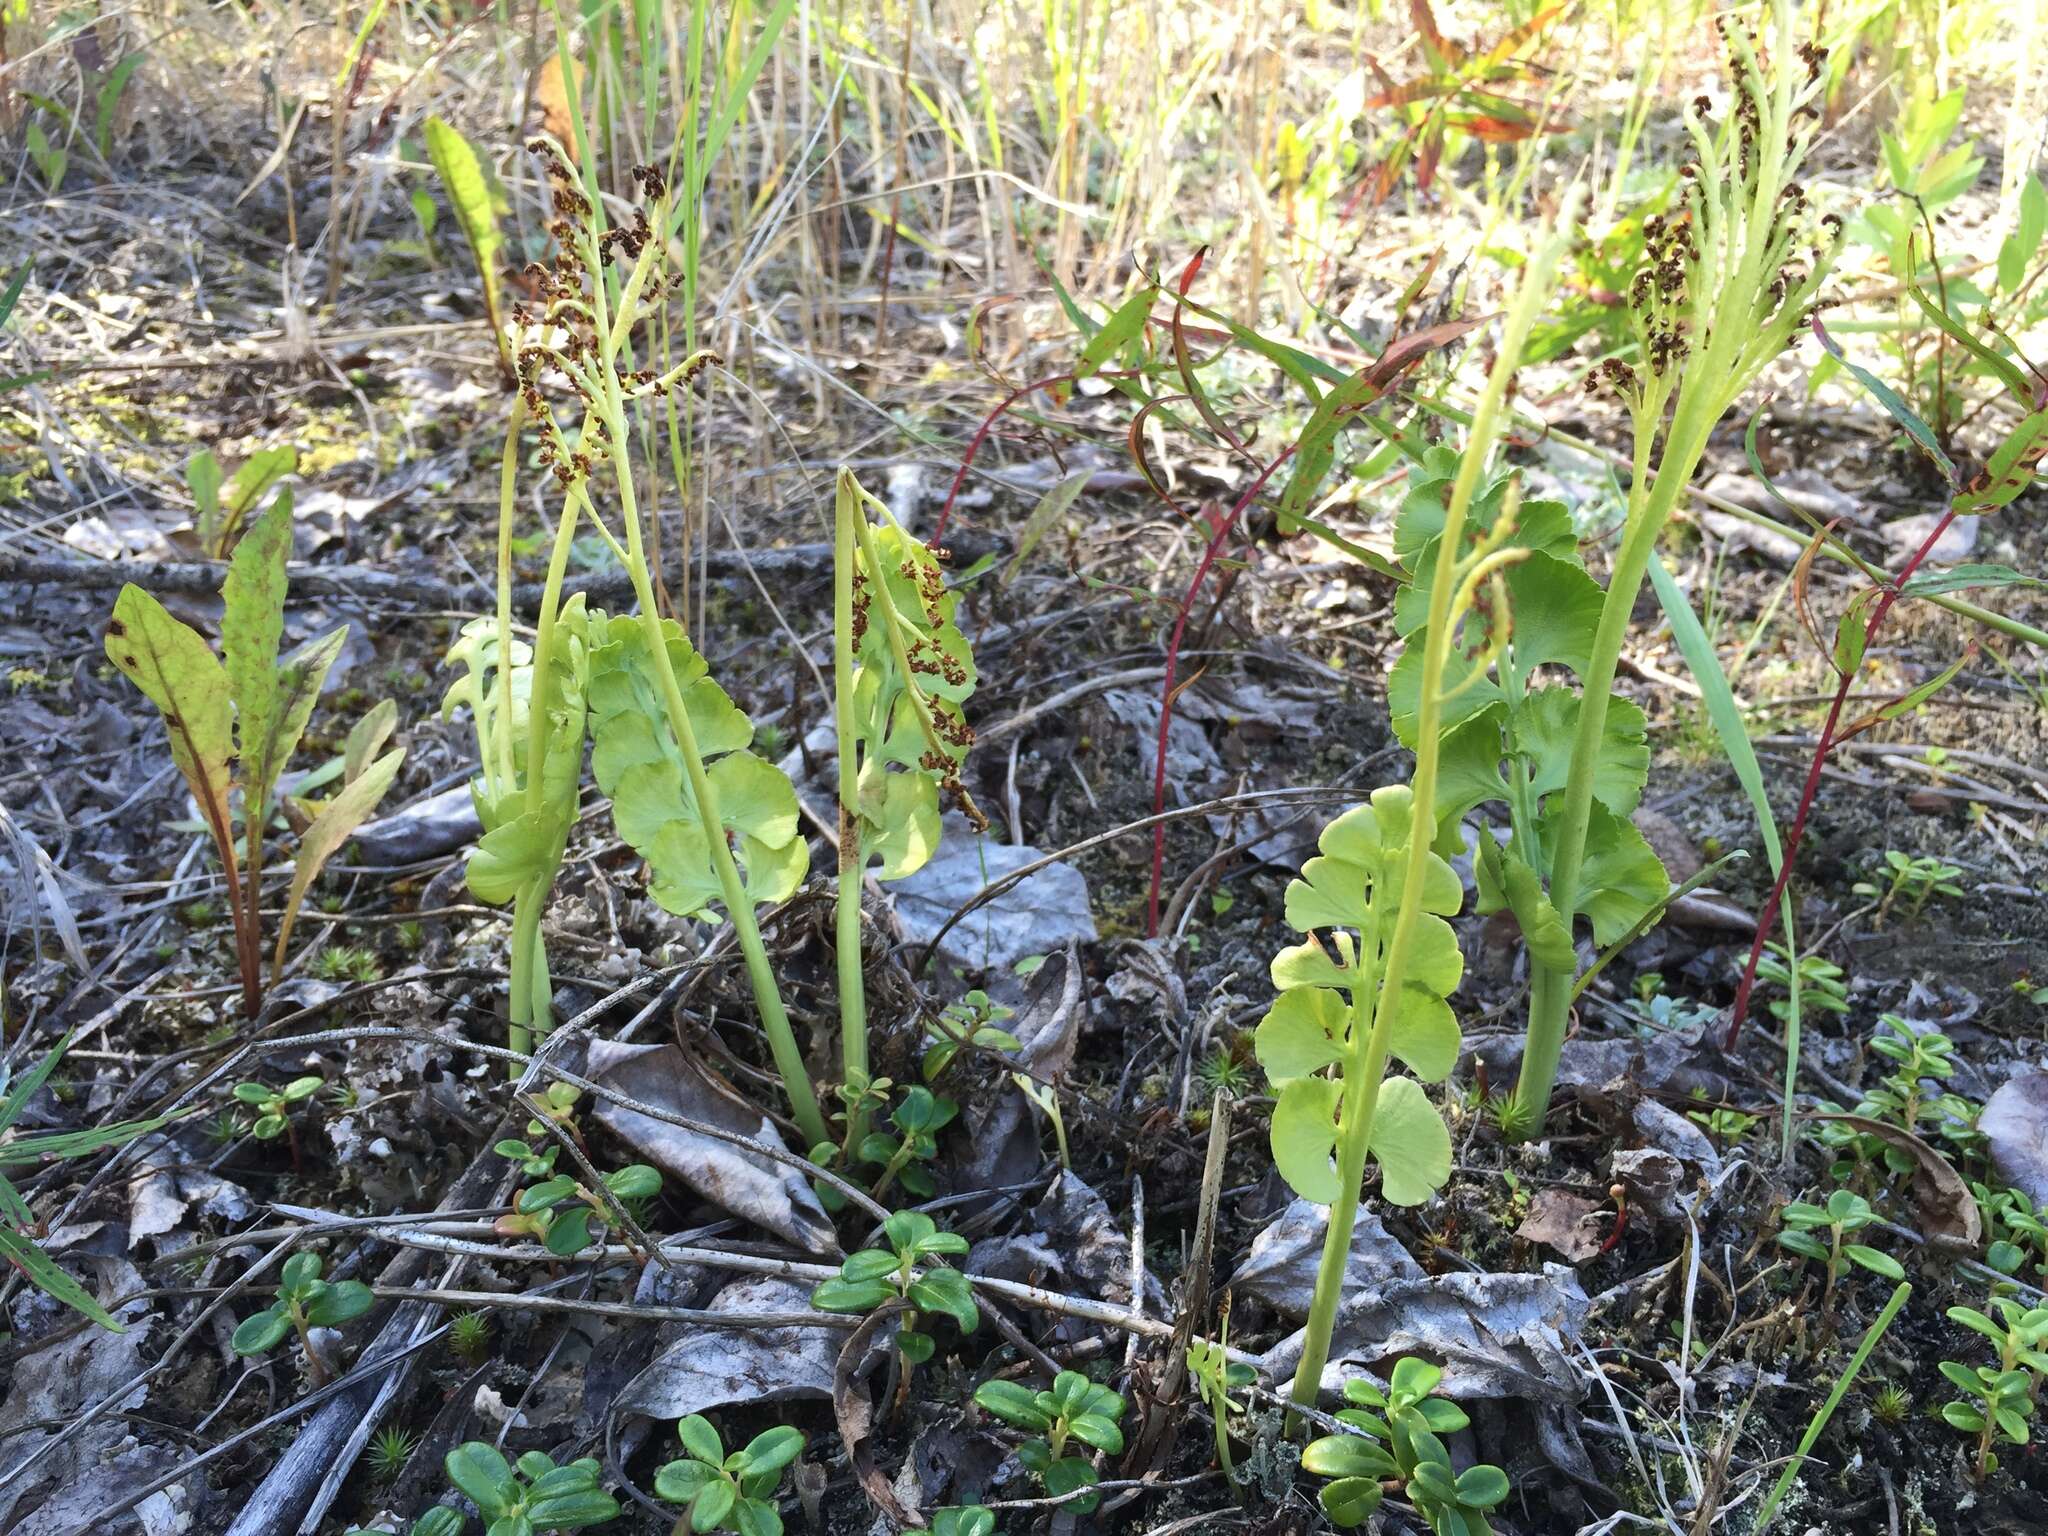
853,1017
1366,1053
529,1004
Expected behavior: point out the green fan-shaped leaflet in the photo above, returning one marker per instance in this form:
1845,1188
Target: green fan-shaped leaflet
1508,741
1555,607
523,841
638,763
1328,991
902,769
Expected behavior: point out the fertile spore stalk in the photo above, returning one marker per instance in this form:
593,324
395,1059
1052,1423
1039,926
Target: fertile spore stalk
595,331
1721,291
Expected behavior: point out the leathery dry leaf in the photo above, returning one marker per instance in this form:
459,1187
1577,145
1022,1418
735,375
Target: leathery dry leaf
772,1195
1947,1211
2015,1127
1572,1224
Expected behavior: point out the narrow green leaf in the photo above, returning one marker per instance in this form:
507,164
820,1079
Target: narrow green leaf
1722,713
1959,578
1052,506
43,1273
109,102
329,831
1887,397
469,194
171,664
1118,331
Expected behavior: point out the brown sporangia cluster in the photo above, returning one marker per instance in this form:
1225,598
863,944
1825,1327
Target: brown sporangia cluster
928,658
564,286
1674,266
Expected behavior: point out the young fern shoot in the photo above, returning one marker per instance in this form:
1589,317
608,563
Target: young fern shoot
901,670
1383,894
1723,286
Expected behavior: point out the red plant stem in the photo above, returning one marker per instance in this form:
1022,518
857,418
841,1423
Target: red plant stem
1620,1193
1768,918
988,424
1180,624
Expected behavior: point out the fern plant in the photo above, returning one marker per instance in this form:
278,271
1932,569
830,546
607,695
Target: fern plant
1378,989
1724,283
716,823
901,669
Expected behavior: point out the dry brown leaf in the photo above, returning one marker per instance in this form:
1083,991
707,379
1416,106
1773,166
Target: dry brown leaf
1948,1213
1572,1224
553,96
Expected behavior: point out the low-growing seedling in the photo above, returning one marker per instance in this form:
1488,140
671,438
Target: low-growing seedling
304,1302
1075,1408
1916,880
1817,1232
247,708
531,1496
729,1493
875,1275
1822,983
273,1106
1998,1400
532,1164
903,1156
972,1021
561,1211
2015,1231
964,1520
1726,1126
1401,1444
1216,1377
1902,1096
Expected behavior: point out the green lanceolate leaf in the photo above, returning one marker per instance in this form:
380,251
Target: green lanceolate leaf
469,194
273,701
333,827
638,763
20,1250
170,663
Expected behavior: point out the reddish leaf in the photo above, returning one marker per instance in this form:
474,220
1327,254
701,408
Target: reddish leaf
1404,352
